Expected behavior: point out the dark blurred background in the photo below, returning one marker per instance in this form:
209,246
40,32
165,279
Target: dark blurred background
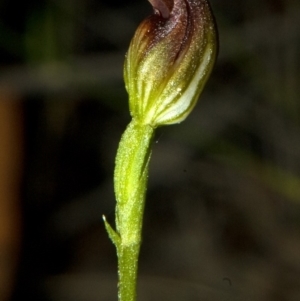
222,219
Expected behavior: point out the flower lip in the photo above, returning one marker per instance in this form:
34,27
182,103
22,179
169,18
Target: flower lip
162,7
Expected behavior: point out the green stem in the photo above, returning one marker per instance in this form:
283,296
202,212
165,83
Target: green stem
130,179
128,265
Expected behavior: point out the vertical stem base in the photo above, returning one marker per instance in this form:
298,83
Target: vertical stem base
130,179
128,265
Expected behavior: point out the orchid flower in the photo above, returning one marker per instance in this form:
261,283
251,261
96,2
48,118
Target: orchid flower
167,65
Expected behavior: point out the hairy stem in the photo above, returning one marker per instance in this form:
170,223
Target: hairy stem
130,179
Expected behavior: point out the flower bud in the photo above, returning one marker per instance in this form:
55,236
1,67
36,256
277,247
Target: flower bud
169,61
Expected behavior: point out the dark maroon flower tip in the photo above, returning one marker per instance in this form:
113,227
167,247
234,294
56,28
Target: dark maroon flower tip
162,7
